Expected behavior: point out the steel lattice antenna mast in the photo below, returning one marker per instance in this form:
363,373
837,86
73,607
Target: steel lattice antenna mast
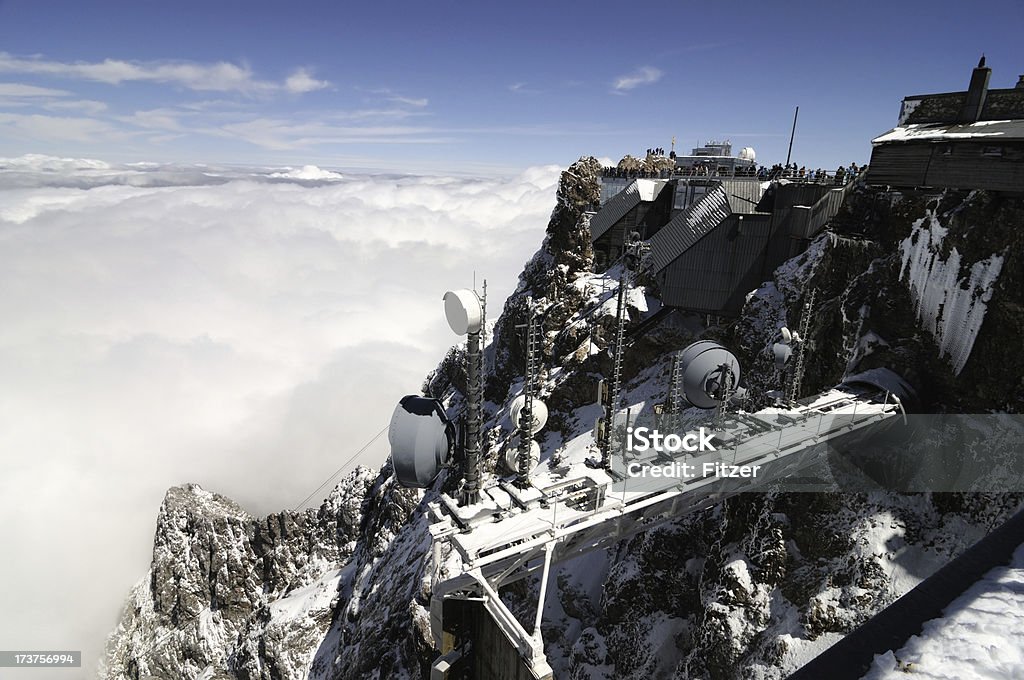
725,393
675,394
805,328
634,251
474,366
483,331
529,392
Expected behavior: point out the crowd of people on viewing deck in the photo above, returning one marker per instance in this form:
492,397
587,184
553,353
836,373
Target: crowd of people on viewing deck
841,176
789,171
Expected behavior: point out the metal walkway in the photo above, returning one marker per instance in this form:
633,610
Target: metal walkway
515,532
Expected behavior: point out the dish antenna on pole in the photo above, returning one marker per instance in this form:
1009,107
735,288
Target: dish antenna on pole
540,413
421,435
464,311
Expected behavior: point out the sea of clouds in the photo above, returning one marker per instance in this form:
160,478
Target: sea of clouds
244,328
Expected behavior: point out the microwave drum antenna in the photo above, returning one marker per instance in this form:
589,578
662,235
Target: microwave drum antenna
709,372
421,438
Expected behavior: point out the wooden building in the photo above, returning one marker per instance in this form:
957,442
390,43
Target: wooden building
966,140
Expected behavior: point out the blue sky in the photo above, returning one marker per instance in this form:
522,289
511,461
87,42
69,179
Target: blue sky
476,87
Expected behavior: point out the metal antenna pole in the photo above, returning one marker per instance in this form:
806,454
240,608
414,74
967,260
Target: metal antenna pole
791,135
805,328
529,386
474,366
483,330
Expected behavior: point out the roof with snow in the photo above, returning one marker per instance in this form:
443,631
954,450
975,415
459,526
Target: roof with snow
994,130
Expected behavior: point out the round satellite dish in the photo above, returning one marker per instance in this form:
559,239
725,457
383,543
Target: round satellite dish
512,454
421,438
787,337
747,154
463,310
709,371
540,413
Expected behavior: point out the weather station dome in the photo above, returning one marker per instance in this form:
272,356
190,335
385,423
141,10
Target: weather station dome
747,154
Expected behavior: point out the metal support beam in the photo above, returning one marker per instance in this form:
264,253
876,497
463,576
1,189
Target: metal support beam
548,550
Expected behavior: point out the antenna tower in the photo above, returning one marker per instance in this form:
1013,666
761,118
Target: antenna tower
483,331
798,370
529,392
675,394
633,253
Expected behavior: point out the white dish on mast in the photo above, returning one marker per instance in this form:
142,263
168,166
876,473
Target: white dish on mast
540,413
463,310
512,454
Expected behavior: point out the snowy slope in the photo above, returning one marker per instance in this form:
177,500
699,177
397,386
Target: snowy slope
978,636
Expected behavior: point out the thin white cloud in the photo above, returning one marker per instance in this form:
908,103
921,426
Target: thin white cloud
203,77
23,90
156,119
88,106
58,128
645,75
522,88
418,102
302,81
387,94
278,134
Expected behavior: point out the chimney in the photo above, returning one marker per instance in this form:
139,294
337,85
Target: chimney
1020,82
976,91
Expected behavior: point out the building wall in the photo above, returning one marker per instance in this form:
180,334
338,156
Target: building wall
965,165
715,274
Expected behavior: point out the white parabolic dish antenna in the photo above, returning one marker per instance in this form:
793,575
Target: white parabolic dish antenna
463,310
512,454
540,413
